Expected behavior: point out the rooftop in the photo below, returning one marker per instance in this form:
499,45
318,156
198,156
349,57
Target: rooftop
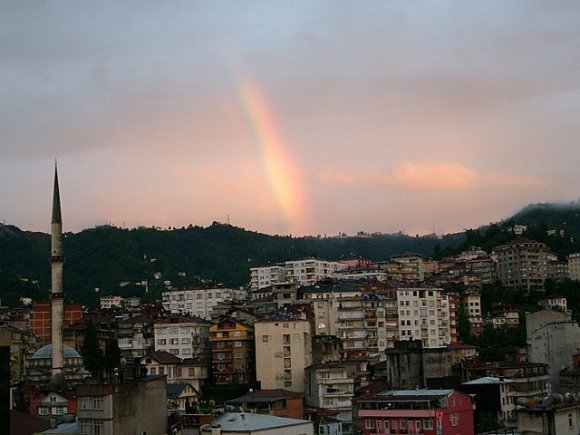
247,422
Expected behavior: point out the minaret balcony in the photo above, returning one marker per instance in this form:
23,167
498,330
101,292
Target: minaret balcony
57,258
57,295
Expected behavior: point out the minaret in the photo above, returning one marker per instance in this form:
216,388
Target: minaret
56,292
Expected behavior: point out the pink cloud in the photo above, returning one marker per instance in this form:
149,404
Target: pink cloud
427,176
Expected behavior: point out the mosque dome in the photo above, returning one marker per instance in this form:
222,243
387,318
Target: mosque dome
45,352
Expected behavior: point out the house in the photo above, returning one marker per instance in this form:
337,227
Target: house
242,423
181,398
278,402
426,412
493,395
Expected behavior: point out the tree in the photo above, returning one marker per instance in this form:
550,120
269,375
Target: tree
112,355
91,351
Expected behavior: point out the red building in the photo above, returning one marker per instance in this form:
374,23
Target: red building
425,412
40,319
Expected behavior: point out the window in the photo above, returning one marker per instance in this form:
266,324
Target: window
238,355
199,296
454,419
369,423
265,338
428,423
152,371
403,424
237,344
161,341
43,411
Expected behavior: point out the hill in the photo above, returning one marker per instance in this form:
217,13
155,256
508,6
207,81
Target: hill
112,259
108,258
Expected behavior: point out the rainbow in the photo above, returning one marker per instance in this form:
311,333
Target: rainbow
284,175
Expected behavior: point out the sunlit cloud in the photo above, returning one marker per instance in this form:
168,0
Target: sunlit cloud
431,176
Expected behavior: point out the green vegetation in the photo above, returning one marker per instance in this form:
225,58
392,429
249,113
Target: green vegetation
104,257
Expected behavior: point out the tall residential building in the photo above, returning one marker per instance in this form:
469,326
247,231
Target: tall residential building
574,266
232,345
311,270
199,301
415,262
283,351
424,314
471,303
265,276
522,265
325,301
185,337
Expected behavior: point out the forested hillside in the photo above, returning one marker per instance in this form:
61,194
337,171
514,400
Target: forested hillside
105,256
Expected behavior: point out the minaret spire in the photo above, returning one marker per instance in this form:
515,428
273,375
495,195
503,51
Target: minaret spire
56,213
56,291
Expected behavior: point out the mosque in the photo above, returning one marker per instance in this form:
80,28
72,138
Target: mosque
56,364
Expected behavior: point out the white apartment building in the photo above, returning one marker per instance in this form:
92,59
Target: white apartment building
184,337
424,314
311,270
471,303
108,302
283,350
199,301
574,266
265,276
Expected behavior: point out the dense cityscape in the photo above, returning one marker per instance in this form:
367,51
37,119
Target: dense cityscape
289,217
474,342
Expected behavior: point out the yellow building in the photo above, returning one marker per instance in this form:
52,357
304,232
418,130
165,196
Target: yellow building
232,345
283,351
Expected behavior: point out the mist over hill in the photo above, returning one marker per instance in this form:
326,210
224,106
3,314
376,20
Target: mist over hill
113,259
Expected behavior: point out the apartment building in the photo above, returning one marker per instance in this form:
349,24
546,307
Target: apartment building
330,387
134,407
471,303
283,350
135,335
574,266
325,300
528,380
414,262
522,265
232,345
265,276
184,337
110,302
311,270
426,412
41,315
199,301
424,314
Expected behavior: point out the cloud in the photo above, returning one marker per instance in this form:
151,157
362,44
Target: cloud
427,176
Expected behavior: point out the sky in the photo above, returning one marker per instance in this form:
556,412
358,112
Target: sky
301,117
